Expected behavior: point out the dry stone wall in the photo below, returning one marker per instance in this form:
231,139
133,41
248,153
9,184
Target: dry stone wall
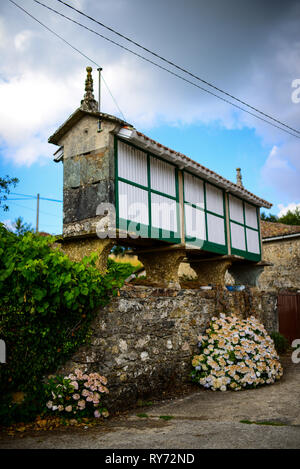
285,272
144,339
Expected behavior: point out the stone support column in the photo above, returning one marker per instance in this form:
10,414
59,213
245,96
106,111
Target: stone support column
162,267
76,249
246,274
211,272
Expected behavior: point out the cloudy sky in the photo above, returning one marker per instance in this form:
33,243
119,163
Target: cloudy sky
250,49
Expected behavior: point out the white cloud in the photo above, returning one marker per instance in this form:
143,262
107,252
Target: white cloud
290,207
255,57
9,224
22,40
31,105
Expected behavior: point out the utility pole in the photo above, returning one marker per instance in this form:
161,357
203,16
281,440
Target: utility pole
99,97
37,212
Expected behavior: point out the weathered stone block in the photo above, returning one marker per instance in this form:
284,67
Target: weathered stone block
81,203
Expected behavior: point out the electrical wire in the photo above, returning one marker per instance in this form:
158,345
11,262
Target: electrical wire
34,197
69,44
161,67
170,63
34,210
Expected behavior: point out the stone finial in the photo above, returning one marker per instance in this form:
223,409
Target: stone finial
89,103
239,177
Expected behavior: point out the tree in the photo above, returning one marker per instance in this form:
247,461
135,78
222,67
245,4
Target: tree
20,227
291,218
270,217
5,184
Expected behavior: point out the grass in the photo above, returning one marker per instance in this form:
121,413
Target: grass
142,416
166,417
273,424
141,403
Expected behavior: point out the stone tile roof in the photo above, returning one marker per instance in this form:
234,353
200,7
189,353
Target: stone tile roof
241,189
272,230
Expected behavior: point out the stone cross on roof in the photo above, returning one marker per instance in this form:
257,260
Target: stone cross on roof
89,103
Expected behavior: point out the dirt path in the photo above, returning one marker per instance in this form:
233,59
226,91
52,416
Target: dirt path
204,419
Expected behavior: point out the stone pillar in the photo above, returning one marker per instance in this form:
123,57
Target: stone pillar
162,267
246,274
77,248
211,272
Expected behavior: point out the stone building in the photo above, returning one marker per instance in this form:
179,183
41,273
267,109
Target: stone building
165,206
281,247
143,340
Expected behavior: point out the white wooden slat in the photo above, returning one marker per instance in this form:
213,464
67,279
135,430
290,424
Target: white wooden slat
251,216
215,229
236,209
162,176
133,203
237,236
163,213
252,241
132,164
194,222
214,199
193,190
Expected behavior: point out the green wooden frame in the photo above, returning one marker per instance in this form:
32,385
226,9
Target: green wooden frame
205,244
174,237
147,231
245,253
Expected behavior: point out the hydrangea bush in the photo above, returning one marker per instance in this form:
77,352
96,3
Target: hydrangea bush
77,395
235,354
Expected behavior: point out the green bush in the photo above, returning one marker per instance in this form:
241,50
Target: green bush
120,270
280,342
47,303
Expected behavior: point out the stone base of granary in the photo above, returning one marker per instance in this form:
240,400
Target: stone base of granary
143,340
211,272
246,274
77,248
162,267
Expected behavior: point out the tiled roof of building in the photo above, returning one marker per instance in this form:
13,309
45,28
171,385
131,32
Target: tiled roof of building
240,188
272,230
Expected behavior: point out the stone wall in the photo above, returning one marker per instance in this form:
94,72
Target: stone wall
285,273
89,173
143,340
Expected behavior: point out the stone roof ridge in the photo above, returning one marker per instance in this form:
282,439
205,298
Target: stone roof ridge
181,155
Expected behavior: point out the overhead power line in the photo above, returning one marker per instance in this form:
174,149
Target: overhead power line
73,47
34,210
147,60
34,197
173,64
174,73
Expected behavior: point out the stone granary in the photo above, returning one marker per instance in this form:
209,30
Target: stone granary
168,208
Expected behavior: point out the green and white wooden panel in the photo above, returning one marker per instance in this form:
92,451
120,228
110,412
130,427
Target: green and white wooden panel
204,214
244,229
147,194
